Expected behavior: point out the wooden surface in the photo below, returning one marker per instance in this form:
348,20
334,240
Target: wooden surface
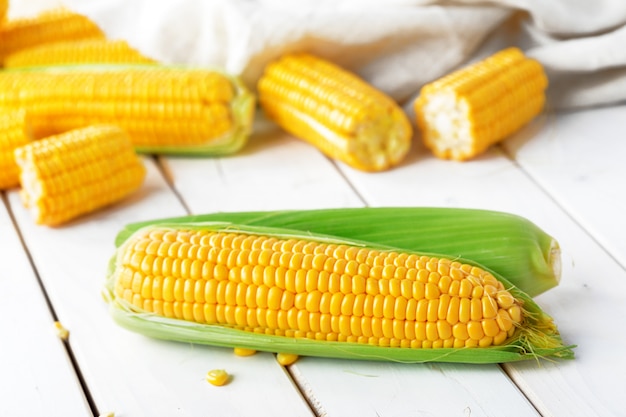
564,172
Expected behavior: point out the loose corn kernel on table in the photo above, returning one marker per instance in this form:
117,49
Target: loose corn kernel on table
563,171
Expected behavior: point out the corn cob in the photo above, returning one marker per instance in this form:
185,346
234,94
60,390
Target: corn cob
315,295
464,113
163,109
336,111
77,172
13,134
507,244
49,26
96,50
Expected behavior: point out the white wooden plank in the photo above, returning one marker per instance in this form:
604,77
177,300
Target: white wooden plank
592,282
579,158
126,373
227,180
343,388
36,375
274,172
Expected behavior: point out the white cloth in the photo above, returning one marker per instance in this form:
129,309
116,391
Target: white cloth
397,45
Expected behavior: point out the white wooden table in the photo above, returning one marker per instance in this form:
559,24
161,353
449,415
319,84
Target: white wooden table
565,172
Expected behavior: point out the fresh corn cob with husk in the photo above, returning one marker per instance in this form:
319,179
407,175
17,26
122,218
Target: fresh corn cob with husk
77,172
281,290
464,113
47,27
507,244
13,134
89,51
335,111
164,109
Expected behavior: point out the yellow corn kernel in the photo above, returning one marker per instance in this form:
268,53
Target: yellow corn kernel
336,111
332,306
217,377
464,113
156,106
84,51
61,331
14,132
47,27
286,359
78,172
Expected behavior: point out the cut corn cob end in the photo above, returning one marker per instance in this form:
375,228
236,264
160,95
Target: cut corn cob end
300,294
336,111
78,172
14,132
464,113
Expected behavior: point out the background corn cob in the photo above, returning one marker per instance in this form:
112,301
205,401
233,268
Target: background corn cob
163,109
336,111
464,113
276,290
77,172
97,50
510,245
13,134
47,27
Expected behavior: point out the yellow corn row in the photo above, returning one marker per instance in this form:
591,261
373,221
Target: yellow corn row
89,51
161,108
13,134
464,113
50,26
336,111
4,7
77,172
311,290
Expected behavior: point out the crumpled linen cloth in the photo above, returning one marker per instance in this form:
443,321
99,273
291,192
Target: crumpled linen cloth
397,45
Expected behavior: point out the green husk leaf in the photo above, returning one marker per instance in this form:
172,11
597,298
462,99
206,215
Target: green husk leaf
538,338
243,109
506,243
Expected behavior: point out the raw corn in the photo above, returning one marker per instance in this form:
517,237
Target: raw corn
286,359
13,134
336,111
217,377
4,7
164,109
272,290
47,27
78,172
506,243
464,113
89,51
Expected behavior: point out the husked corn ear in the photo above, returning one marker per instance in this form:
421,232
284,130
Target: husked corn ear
97,50
77,172
336,111
163,109
311,290
462,114
47,27
13,134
